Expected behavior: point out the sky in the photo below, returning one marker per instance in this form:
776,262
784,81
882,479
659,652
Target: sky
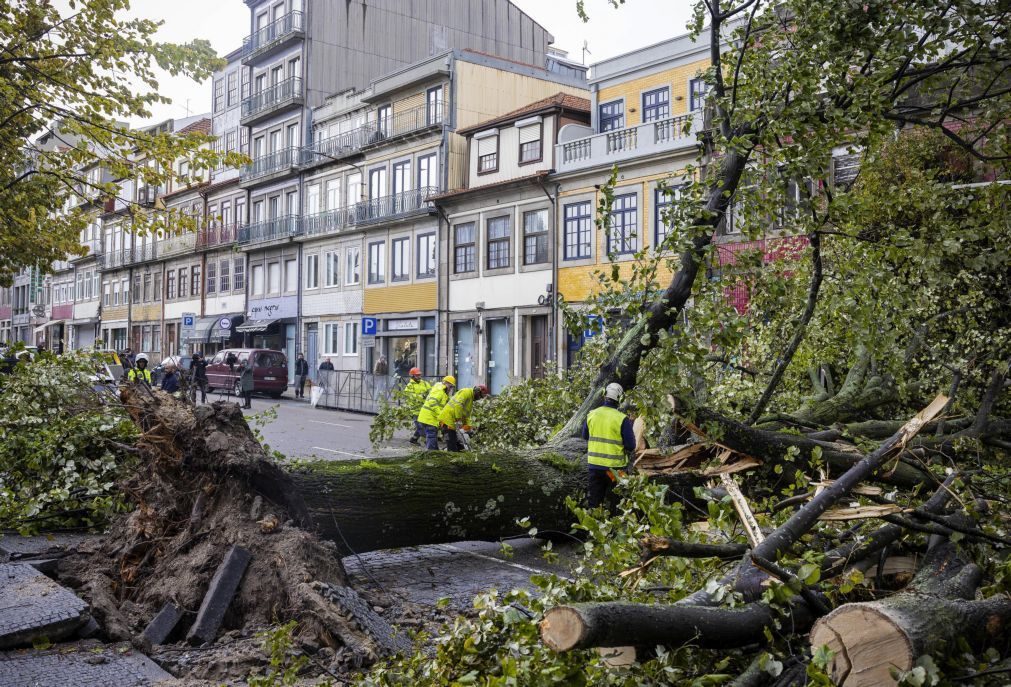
225,22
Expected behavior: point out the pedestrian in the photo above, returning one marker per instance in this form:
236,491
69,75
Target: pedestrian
326,365
416,392
379,372
428,416
455,416
170,382
301,372
246,383
127,358
610,439
139,372
199,369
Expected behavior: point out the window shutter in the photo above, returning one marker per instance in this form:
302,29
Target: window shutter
487,146
529,134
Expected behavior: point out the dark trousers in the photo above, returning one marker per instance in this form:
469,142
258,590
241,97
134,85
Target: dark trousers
248,396
431,437
300,389
600,488
201,385
453,440
419,430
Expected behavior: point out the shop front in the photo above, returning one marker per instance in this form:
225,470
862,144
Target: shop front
404,342
272,323
215,333
114,334
83,332
59,331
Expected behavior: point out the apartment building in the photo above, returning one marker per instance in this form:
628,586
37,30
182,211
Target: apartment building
497,288
646,115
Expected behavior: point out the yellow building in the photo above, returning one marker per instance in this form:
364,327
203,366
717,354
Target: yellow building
646,112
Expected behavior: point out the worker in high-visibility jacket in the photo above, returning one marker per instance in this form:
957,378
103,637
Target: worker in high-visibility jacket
428,417
139,371
610,439
416,392
456,415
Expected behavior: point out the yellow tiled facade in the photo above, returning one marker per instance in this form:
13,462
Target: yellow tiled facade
408,298
146,312
633,89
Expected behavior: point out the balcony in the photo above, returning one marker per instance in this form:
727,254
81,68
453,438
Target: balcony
148,194
179,244
141,254
386,208
217,235
272,99
277,229
338,147
117,258
273,37
415,121
94,247
611,147
267,167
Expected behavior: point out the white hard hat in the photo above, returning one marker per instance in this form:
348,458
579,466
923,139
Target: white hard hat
613,391
141,356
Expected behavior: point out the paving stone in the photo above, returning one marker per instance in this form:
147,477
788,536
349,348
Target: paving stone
161,626
14,547
70,666
32,605
354,607
219,596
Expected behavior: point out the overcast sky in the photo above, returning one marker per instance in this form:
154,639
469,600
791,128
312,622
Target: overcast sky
609,32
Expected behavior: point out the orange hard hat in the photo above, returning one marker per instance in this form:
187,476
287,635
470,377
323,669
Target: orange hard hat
415,371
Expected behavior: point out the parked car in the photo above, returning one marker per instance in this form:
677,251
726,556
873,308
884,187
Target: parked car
270,371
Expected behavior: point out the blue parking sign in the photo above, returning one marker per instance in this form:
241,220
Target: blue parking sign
188,320
594,326
370,325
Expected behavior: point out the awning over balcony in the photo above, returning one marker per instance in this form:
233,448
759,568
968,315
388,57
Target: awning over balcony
255,326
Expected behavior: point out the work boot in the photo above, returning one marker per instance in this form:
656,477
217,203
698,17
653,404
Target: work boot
413,440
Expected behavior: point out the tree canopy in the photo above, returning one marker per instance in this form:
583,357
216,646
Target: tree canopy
78,73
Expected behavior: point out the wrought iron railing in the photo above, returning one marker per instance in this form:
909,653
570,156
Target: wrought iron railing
372,210
408,122
271,229
176,245
272,96
142,254
292,22
218,235
277,161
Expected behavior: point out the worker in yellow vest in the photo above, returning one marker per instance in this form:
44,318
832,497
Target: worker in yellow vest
416,392
609,436
139,372
428,417
456,415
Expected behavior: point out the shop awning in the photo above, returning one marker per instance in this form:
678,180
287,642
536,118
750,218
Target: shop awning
84,320
202,329
255,326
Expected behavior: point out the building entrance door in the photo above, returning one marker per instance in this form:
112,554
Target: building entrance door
538,345
498,355
311,352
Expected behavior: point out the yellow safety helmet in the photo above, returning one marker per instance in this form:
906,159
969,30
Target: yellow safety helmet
449,379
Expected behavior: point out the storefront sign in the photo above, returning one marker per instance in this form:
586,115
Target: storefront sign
401,325
225,323
273,308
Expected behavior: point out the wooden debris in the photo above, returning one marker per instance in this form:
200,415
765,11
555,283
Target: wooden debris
751,528
861,512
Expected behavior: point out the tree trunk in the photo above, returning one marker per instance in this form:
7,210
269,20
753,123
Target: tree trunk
870,639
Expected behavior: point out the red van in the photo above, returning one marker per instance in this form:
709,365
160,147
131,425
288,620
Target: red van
270,371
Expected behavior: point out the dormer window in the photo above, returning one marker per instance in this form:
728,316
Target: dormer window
530,135
487,151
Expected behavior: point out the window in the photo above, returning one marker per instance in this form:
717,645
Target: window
427,247
697,89
312,271
312,199
147,288
291,276
212,277
106,295
487,154
276,75
352,268
354,188
384,118
331,262
623,234
498,243
377,263
219,95
656,105
291,203
535,237
434,106
464,248
530,144
331,339
611,116
333,194
184,283
225,276
257,285
137,292
274,277
125,287
294,67
401,268
427,170
115,293
578,230
195,281
233,80
377,183
351,338
402,176
665,199
157,286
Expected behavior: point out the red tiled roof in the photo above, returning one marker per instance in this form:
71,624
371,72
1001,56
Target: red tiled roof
201,126
561,101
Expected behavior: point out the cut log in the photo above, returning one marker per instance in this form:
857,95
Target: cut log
871,639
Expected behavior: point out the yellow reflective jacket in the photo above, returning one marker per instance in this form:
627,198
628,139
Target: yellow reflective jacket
136,374
436,400
416,392
605,447
458,409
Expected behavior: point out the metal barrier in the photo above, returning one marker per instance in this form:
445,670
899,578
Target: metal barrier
357,391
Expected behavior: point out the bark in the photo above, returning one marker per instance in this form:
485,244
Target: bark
870,639
582,626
